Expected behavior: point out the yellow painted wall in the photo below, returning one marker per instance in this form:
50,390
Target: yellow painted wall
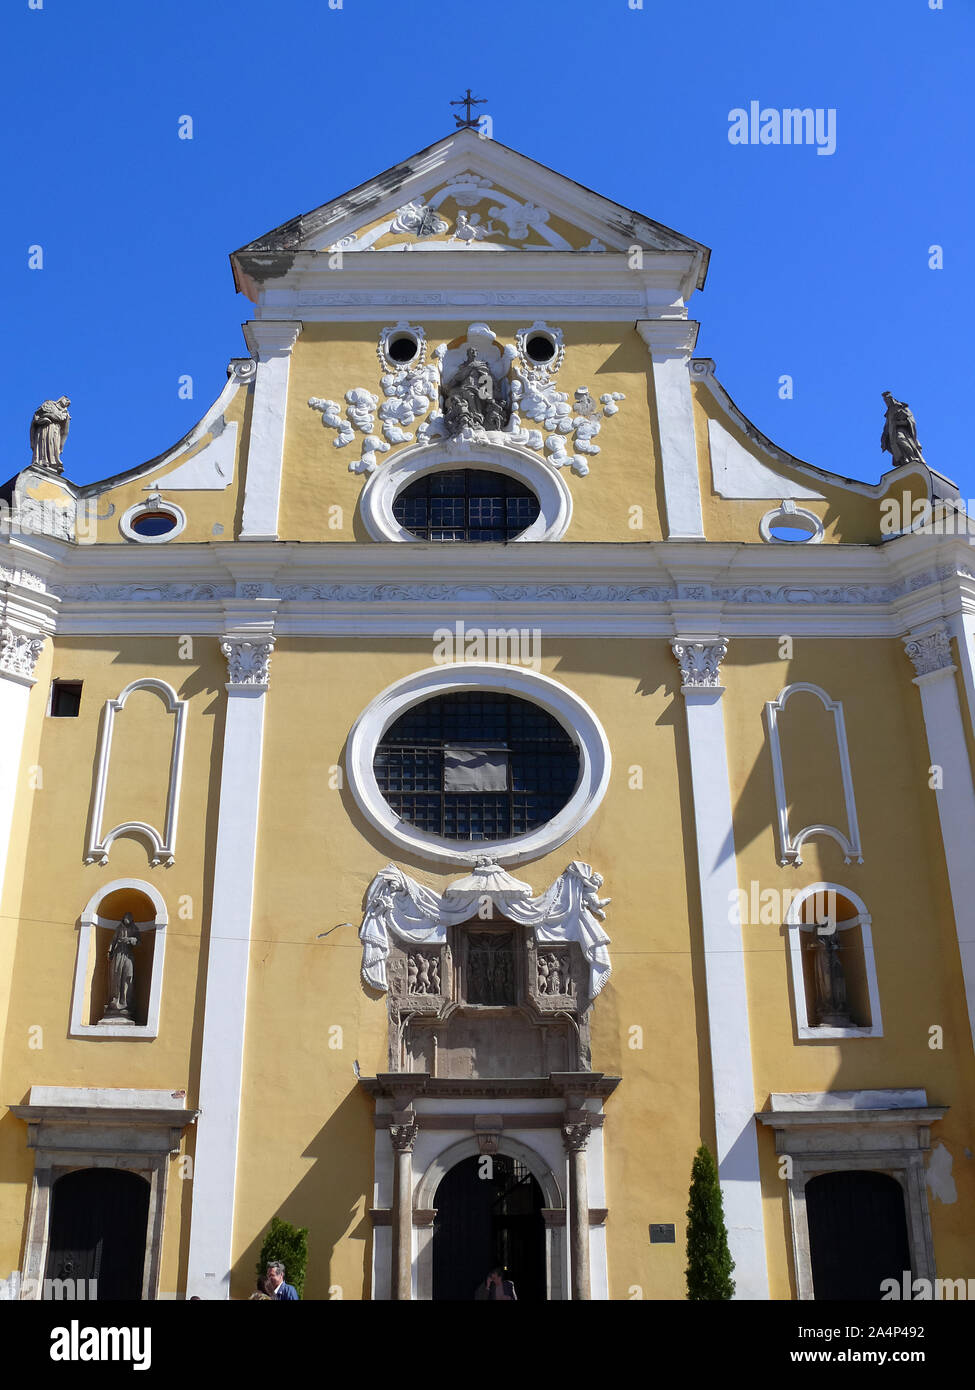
904,884
330,359
40,945
304,1121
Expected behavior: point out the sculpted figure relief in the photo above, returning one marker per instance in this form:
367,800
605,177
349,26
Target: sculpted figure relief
473,399
48,431
121,970
899,437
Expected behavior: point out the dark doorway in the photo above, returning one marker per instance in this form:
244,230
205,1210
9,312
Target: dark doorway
857,1234
98,1231
488,1214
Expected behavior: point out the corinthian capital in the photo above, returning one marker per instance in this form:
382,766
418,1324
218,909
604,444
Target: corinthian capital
700,662
19,652
931,652
248,663
575,1137
403,1136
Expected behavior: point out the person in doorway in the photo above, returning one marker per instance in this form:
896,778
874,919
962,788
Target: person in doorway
276,1286
497,1286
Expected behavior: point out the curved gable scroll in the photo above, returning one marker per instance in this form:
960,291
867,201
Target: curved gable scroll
791,841
161,843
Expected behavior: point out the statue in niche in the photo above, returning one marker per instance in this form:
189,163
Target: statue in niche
832,1008
473,399
899,437
121,971
48,431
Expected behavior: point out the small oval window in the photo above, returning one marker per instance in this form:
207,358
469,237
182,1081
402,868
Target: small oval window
153,524
402,348
539,348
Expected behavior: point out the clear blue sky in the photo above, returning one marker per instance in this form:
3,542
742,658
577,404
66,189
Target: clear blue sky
819,266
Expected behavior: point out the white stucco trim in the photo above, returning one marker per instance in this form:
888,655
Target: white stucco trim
14,696
572,713
724,971
790,844
271,342
90,921
948,750
787,512
222,1061
671,342
863,920
210,470
738,474
163,845
385,484
141,509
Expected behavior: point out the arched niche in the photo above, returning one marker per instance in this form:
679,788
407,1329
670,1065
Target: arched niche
103,911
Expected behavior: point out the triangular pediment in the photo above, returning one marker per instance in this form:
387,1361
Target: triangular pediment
469,194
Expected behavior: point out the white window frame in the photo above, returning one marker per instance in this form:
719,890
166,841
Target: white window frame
796,926
790,844
152,504
567,708
388,481
163,845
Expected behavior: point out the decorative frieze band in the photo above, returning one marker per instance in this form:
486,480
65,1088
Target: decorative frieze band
700,662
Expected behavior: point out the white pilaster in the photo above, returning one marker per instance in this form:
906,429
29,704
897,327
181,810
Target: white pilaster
930,653
671,342
221,1067
271,342
724,965
18,657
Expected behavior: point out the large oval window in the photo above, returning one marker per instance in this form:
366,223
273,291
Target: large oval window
476,765
466,504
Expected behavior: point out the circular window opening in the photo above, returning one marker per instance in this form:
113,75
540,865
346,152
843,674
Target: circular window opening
466,504
476,765
402,348
539,348
154,524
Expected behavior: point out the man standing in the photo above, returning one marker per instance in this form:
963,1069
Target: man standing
276,1286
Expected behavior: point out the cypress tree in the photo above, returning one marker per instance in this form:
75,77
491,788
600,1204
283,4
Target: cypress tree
709,1262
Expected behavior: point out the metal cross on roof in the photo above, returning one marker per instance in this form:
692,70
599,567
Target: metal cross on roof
469,121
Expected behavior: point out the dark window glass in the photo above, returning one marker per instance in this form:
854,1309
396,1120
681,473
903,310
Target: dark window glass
65,699
542,766
466,505
154,524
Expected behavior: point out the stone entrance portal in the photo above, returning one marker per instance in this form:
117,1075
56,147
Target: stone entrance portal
489,1213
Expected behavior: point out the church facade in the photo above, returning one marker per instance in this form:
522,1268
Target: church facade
471,769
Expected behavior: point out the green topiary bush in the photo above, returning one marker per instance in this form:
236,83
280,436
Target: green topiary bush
709,1262
289,1244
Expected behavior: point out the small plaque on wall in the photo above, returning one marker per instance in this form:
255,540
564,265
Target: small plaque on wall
663,1234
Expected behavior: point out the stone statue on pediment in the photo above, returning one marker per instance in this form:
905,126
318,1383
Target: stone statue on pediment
899,437
48,431
832,1007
